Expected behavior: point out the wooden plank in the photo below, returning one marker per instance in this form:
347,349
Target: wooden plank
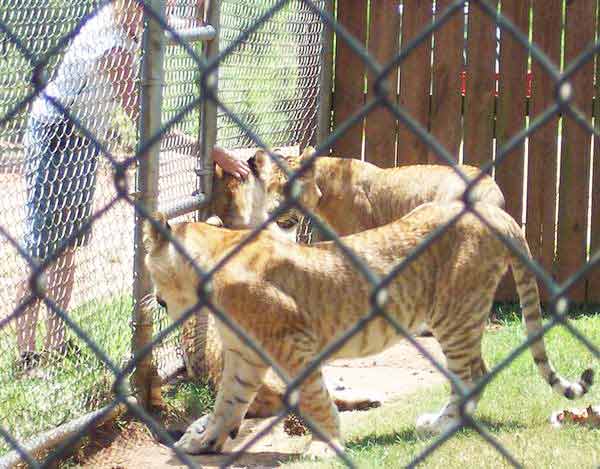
510,119
446,100
575,155
380,126
510,115
543,146
415,81
593,277
479,98
349,94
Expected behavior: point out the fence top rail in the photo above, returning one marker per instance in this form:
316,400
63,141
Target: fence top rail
200,33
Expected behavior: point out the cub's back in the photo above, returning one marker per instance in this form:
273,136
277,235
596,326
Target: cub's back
322,282
396,191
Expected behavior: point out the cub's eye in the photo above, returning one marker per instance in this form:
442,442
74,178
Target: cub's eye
161,302
288,220
286,224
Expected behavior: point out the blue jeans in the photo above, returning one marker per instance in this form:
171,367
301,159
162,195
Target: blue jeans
61,177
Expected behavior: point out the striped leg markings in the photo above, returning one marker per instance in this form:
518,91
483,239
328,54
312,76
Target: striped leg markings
237,389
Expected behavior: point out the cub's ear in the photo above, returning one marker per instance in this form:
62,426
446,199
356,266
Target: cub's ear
214,220
153,239
306,156
261,165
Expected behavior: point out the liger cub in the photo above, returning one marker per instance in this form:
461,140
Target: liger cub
294,300
349,194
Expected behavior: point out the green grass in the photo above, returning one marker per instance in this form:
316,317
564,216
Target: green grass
515,409
259,81
63,389
192,399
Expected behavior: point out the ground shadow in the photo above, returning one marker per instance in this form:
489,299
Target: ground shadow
260,459
494,426
406,435
409,435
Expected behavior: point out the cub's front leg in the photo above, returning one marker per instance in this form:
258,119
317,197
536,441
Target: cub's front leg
242,376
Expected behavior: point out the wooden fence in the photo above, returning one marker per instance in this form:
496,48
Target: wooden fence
486,111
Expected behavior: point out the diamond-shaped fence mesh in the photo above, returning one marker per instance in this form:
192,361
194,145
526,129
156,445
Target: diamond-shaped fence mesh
43,154
271,81
109,111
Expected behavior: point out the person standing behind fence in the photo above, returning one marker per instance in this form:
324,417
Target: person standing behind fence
97,73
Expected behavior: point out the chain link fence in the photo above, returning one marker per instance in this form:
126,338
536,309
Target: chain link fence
91,132
42,153
277,106
271,80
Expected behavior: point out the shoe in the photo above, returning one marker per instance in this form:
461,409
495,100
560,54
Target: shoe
68,348
28,360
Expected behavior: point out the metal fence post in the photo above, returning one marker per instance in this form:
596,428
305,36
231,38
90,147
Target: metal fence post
193,337
305,233
208,113
325,81
145,379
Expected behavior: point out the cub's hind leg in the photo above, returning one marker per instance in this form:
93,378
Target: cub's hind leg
461,344
315,402
243,373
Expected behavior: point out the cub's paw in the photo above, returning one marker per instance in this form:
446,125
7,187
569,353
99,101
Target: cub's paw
349,399
434,424
200,437
322,450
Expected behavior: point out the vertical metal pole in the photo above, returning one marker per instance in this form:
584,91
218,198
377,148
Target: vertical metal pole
324,113
145,379
193,338
208,119
325,82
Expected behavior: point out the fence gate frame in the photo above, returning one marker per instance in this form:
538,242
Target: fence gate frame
146,380
147,174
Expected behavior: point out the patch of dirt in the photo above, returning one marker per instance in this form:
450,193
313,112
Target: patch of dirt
389,376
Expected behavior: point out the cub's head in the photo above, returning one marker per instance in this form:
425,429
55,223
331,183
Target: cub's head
173,277
246,204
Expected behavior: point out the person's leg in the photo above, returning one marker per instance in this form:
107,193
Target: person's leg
59,289
60,286
61,173
78,179
37,158
26,321
59,281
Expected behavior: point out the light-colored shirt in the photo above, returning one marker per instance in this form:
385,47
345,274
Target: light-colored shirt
79,83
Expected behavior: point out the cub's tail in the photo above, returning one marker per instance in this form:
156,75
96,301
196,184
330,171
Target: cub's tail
530,305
